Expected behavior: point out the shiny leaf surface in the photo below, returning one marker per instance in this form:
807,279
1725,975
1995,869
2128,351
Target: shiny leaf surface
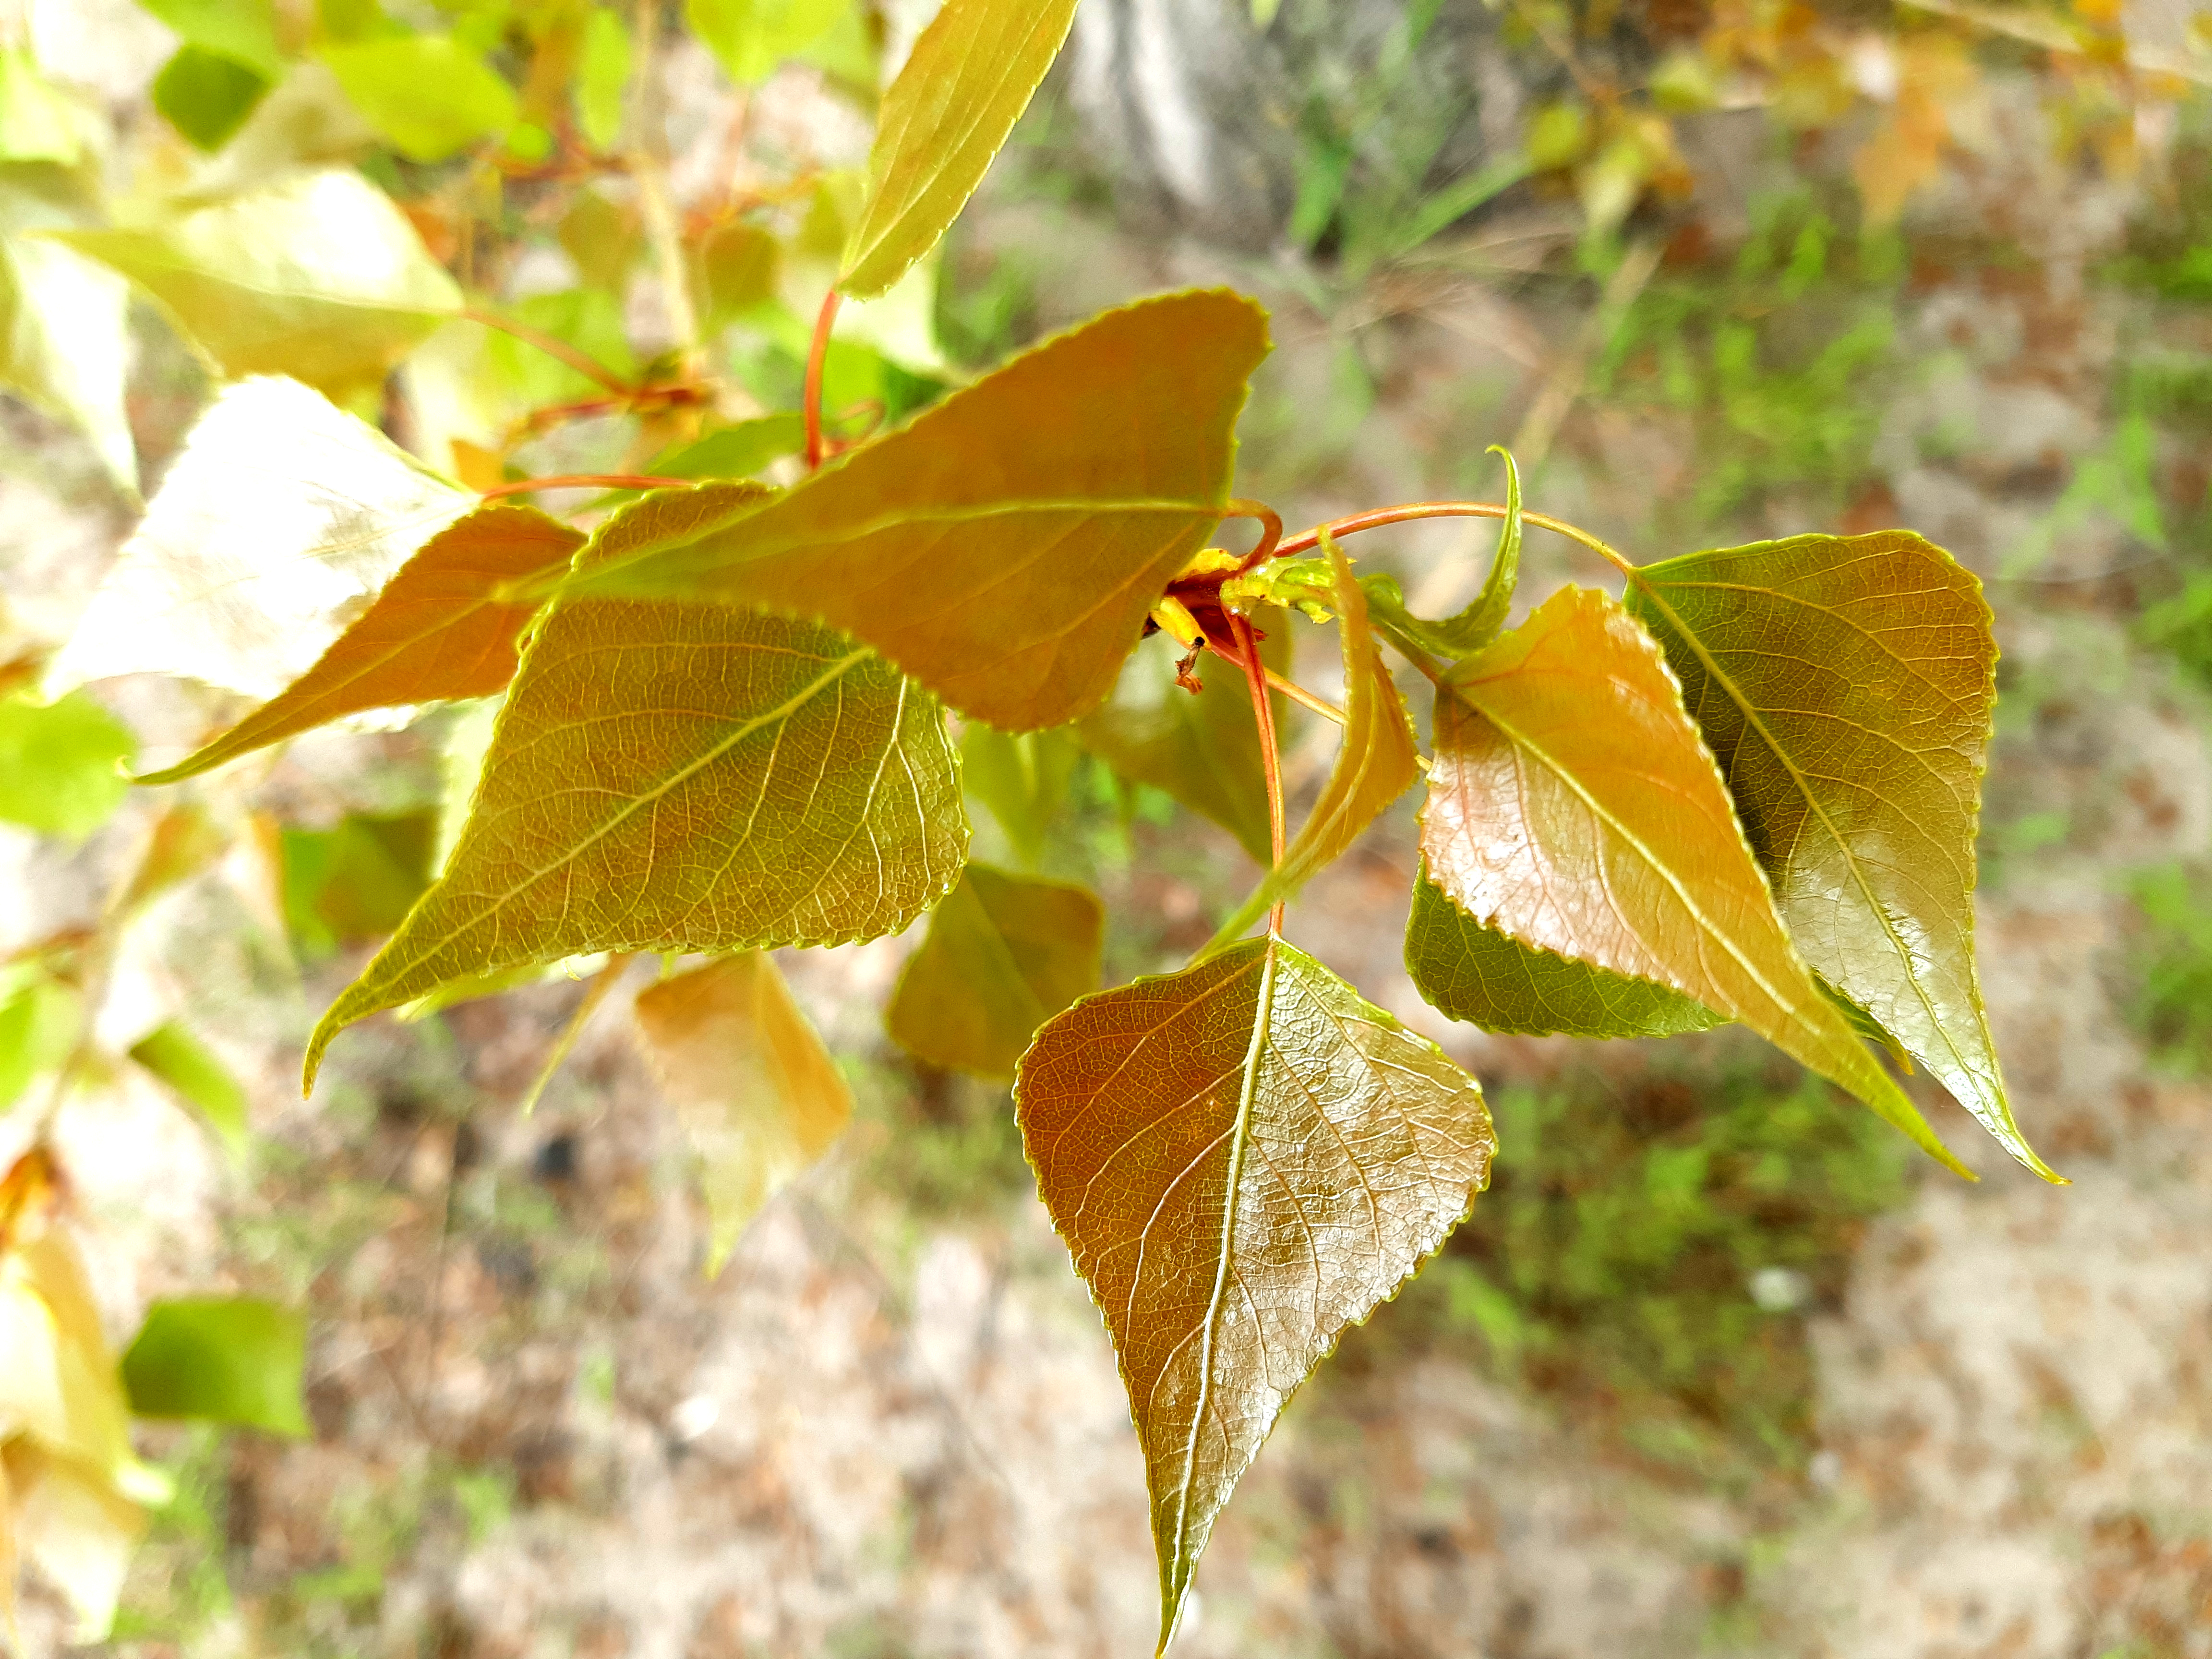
1477,974
281,520
440,630
1847,686
221,1359
967,82
758,1096
1004,547
1004,954
1243,1158
1574,808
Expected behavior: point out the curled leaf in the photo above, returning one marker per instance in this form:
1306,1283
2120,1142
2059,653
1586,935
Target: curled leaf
1463,634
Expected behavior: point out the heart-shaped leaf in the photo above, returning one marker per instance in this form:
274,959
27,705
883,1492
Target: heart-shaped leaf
1574,807
1004,547
1004,954
440,630
1244,1159
1847,686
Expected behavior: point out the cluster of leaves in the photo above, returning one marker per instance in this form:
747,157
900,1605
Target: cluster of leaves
1746,791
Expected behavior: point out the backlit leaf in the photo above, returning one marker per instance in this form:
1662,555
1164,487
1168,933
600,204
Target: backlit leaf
438,631
37,121
61,764
1573,807
357,880
1022,778
750,37
319,276
1003,548
1004,954
740,451
758,1096
222,1359
244,31
280,519
200,1079
675,777
57,1382
428,94
65,345
1243,1158
1377,759
1203,749
1477,974
206,96
602,77
1846,685
1466,633
970,75
39,1018
77,1529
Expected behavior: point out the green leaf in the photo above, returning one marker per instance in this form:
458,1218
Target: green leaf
356,881
244,31
245,586
1471,972
1573,807
751,38
61,764
1203,749
319,277
64,338
206,96
1004,954
742,451
758,1096
970,75
676,777
224,1359
1847,686
1464,635
602,77
37,121
1041,512
428,95
40,1020
1244,1159
1022,779
438,631
180,1060
1377,759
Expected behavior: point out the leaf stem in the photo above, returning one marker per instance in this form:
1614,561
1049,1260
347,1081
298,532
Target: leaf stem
588,481
582,361
1271,760
1298,694
1270,531
817,355
1409,512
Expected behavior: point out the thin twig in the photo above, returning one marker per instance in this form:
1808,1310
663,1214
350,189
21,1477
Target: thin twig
818,359
1271,760
1270,531
588,481
1411,511
1298,694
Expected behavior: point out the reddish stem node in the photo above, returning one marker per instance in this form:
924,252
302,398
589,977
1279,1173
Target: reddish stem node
816,356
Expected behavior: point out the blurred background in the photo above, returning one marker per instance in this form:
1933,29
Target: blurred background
1716,1367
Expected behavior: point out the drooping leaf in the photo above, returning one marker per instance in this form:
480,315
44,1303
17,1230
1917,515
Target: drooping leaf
438,631
1573,807
1004,954
1004,547
758,1096
222,1359
282,517
79,1531
751,38
207,96
58,1387
1847,685
319,276
39,1019
61,764
1023,779
678,777
1466,633
970,75
428,95
200,1079
1244,1159
1477,974
356,880
65,344
1377,759
1203,749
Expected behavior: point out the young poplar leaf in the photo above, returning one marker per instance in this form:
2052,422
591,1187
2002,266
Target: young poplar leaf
61,764
180,1060
1847,686
1463,634
1022,779
751,38
759,1097
440,630
221,1359
1243,1158
64,340
319,276
428,95
39,1019
1467,971
970,75
1004,954
1377,759
280,519
674,777
1574,807
244,31
1204,750
1004,547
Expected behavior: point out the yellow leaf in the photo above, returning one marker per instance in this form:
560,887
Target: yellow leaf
758,1096
77,1529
